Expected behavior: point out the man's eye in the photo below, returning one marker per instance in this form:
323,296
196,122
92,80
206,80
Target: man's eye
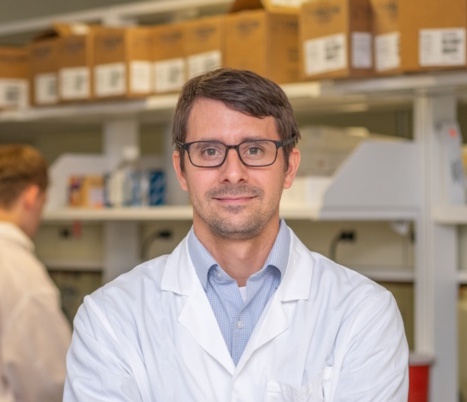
210,151
254,150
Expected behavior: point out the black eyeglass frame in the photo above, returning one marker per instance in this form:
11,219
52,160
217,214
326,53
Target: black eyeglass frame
279,144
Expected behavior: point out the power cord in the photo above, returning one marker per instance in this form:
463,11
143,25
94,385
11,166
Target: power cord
343,236
164,234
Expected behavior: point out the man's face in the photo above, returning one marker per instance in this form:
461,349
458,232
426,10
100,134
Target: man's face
233,201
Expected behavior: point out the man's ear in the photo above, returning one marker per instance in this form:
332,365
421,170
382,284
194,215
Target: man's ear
30,196
294,162
178,170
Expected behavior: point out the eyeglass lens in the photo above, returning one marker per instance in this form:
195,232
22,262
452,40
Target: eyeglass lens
251,153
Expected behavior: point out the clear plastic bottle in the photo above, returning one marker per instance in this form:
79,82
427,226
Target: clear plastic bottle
126,185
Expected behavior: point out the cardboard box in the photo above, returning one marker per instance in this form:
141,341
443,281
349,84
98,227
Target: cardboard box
122,62
43,56
169,57
86,191
204,43
336,39
14,76
433,34
264,42
75,54
386,34
60,64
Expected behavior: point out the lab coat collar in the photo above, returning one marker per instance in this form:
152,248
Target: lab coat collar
13,233
298,276
180,276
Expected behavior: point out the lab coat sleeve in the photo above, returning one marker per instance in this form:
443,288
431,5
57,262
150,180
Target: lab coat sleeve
34,346
375,367
97,369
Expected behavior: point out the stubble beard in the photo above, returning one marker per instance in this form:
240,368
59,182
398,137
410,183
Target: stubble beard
227,224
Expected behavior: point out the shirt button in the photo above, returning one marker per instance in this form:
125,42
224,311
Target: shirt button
239,324
219,275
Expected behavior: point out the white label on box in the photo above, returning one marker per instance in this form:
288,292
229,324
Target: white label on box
203,62
169,75
75,83
45,88
140,77
287,3
325,54
110,79
361,50
13,93
387,51
442,47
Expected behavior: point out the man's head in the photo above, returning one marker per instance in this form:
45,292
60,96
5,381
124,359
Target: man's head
235,134
23,184
240,90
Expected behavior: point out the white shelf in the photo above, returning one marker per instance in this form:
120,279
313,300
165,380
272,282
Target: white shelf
164,213
156,107
182,213
451,215
315,97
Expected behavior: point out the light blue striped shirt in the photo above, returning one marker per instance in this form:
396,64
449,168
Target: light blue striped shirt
237,318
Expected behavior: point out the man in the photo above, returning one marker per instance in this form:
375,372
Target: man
241,310
34,333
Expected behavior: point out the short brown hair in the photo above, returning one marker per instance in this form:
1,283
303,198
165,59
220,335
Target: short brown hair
20,167
243,91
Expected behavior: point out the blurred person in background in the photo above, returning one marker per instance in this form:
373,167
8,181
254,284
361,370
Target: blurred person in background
34,332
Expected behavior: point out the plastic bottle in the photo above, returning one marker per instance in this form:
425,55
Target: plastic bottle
126,185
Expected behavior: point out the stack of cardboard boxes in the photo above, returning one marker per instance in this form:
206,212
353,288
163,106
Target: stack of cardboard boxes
358,38
287,41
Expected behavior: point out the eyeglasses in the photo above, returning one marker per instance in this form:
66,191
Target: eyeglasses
252,153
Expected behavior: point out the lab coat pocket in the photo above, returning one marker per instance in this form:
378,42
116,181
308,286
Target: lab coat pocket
318,390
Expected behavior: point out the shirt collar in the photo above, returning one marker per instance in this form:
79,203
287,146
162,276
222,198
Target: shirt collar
203,261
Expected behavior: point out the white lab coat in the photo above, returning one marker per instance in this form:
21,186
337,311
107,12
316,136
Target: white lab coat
34,333
328,334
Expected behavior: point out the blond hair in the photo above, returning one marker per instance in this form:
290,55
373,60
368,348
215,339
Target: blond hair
20,167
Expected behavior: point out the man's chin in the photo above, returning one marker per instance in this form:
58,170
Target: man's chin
242,229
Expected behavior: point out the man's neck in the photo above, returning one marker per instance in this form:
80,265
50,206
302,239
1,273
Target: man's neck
239,258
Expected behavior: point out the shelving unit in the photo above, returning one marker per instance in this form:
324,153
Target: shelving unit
433,98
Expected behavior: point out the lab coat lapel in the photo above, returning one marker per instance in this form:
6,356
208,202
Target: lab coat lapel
198,318
271,324
295,286
196,315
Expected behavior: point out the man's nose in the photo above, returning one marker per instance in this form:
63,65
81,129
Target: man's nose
233,168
